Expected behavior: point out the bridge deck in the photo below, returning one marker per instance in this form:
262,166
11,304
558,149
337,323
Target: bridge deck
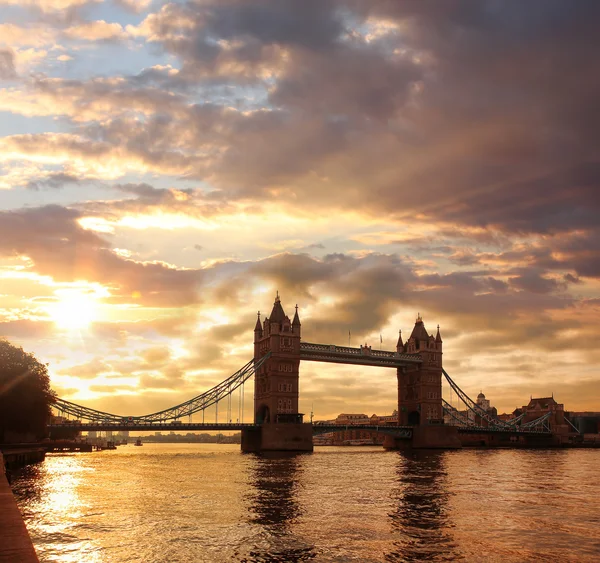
363,356
398,431
508,431
151,427
318,428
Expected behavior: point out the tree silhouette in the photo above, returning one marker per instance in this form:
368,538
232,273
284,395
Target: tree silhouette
25,394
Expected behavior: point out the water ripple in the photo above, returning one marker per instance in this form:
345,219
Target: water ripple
210,503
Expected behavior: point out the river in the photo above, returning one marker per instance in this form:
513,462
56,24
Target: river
187,503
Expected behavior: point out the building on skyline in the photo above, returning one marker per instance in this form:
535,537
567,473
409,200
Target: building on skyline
356,435
587,422
470,416
344,419
538,407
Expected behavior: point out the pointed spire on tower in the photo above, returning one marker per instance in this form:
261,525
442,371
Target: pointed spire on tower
400,344
438,337
277,313
258,326
296,321
419,333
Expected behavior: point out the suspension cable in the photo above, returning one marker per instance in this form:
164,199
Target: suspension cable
196,404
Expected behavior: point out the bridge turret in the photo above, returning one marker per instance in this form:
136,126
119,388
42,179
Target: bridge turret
420,388
258,330
276,382
296,323
400,344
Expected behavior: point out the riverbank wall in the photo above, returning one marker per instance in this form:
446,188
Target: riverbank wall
17,456
15,543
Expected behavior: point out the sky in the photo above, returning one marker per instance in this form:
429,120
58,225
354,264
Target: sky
166,167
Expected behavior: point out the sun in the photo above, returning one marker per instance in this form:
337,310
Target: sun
74,310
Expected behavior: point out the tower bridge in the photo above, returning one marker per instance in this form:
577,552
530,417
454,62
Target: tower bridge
278,424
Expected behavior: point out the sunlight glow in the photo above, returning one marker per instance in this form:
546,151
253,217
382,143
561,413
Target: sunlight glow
74,310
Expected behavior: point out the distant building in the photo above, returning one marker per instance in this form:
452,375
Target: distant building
538,407
588,424
356,435
483,402
485,405
454,417
352,419
391,420
466,416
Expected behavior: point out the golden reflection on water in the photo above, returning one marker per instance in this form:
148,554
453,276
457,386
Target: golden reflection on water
274,509
168,503
421,519
62,476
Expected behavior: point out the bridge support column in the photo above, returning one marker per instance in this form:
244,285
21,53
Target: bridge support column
436,437
286,437
431,437
277,387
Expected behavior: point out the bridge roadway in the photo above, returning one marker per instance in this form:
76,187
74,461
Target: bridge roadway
363,356
152,427
318,428
399,431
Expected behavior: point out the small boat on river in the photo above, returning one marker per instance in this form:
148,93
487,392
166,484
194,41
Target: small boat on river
138,442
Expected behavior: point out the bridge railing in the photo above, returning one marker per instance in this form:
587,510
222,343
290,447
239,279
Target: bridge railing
384,354
363,351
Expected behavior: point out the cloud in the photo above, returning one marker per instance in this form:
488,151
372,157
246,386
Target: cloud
99,30
347,117
534,282
59,247
7,64
264,126
135,6
459,108
50,5
53,181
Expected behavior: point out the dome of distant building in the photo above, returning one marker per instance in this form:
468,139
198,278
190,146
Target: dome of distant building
481,396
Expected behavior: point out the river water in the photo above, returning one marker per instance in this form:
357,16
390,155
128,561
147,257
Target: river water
188,503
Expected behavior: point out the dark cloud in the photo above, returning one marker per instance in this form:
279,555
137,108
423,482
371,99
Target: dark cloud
7,65
435,119
351,81
53,181
534,282
464,257
485,140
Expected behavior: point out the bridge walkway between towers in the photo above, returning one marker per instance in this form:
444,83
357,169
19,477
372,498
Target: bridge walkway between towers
363,356
153,427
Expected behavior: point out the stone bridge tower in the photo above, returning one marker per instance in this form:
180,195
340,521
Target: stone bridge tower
276,387
276,382
420,391
420,387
